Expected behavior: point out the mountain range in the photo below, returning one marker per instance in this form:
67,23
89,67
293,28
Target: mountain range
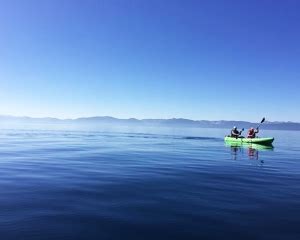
174,122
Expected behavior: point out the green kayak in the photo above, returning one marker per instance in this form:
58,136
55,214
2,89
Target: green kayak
263,141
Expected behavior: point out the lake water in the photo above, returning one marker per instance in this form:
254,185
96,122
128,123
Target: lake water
147,184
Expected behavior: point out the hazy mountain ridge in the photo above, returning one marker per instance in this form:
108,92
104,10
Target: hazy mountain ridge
173,122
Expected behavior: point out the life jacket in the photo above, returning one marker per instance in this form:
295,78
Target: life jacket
234,133
251,133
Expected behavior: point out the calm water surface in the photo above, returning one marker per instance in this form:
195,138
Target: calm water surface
147,184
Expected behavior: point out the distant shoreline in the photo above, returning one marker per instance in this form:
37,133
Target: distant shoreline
173,122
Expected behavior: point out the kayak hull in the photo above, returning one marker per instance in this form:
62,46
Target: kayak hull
262,141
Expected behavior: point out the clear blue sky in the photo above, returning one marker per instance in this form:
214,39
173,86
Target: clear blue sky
151,59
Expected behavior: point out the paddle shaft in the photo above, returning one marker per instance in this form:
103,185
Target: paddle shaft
242,131
261,122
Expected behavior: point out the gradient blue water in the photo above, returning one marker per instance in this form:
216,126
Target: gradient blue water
147,184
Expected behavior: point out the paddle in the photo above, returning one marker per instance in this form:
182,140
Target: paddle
261,122
242,131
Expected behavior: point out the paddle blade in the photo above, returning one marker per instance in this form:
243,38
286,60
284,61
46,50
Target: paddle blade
262,120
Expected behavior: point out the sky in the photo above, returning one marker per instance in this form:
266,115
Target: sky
230,60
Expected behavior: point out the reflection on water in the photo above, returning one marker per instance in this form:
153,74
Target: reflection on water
252,153
249,150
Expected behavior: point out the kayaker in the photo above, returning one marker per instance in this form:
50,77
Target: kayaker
235,133
252,132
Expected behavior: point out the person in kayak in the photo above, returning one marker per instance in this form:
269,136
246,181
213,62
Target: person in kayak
252,132
235,133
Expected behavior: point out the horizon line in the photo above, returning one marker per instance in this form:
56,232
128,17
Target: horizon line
138,119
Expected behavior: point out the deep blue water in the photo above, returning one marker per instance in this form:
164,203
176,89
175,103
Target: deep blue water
147,184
